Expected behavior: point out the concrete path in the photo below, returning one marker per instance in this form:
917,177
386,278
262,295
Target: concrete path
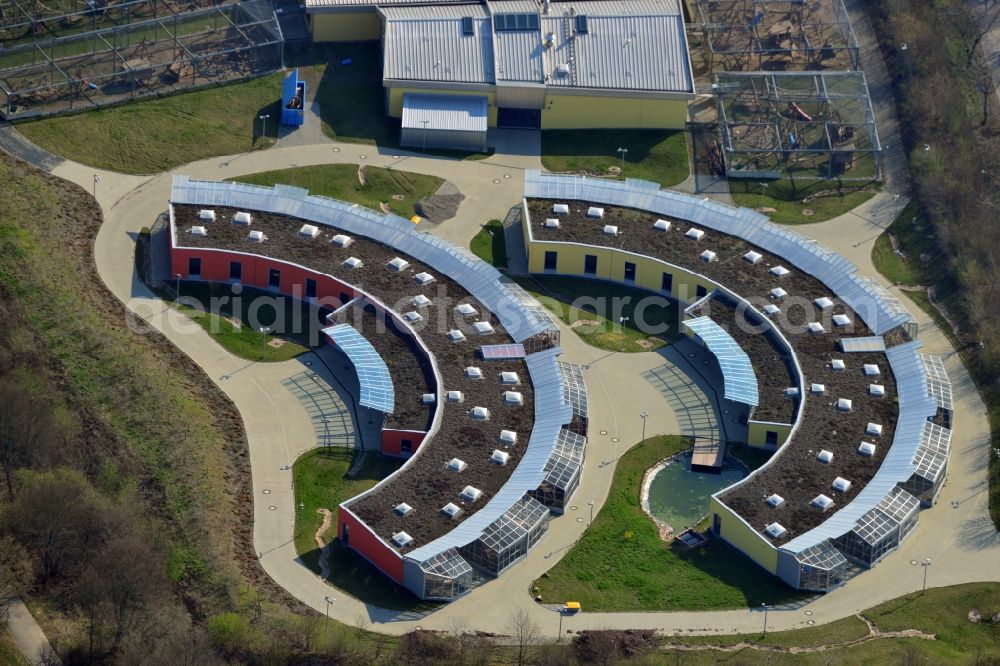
27,634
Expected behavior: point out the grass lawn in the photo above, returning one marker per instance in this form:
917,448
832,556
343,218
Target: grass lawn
603,303
786,196
340,181
242,341
155,135
910,231
490,245
657,155
320,482
840,631
621,564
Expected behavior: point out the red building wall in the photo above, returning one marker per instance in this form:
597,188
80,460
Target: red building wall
364,541
392,440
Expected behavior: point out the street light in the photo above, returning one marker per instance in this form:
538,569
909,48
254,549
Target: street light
329,600
178,290
622,151
926,564
763,189
263,125
765,607
97,179
642,415
591,503
621,322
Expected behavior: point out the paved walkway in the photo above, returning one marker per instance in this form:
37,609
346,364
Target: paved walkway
27,634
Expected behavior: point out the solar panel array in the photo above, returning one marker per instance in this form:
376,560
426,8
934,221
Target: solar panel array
938,383
739,380
497,292
501,352
874,343
373,375
871,302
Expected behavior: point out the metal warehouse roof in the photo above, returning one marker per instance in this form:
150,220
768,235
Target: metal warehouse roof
435,49
464,113
376,384
738,376
519,56
591,7
448,11
321,4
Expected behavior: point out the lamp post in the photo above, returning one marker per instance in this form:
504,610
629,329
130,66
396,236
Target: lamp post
621,322
926,564
996,470
591,503
622,152
263,126
424,136
765,607
178,290
642,415
329,600
97,179
763,189
562,611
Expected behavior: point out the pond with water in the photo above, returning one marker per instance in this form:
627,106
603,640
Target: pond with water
680,497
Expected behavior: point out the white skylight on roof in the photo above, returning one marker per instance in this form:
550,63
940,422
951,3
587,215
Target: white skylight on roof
353,262
775,500
509,378
206,215
817,388
508,437
465,309
837,364
778,292
457,465
423,278
825,456
694,234
775,530
309,231
428,398
198,231
792,392
771,309
876,390
402,509
480,413
816,328
779,271
412,316
420,301
473,372
341,240
662,225
256,236
871,370
513,398
454,396
866,449
841,320
823,303
242,217
844,404
874,429
841,485
560,209
595,212
470,494
610,230
708,256
455,335
451,509
499,457
551,223
482,328
401,539
752,257
398,264
822,502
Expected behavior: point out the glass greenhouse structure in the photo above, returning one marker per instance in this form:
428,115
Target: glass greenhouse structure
562,471
510,537
881,530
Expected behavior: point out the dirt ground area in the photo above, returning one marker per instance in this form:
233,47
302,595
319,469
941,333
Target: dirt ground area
425,485
796,475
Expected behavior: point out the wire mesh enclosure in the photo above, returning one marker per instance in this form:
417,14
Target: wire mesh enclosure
139,58
806,124
745,35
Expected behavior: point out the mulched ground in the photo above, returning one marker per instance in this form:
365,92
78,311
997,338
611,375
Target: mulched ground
796,475
424,484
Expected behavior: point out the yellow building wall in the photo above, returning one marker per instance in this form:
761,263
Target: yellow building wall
585,112
740,536
757,433
611,266
396,100
347,27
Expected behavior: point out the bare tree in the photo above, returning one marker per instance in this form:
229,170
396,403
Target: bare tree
971,24
15,573
985,77
26,425
525,631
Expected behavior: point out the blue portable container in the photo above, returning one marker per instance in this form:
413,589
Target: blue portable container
293,100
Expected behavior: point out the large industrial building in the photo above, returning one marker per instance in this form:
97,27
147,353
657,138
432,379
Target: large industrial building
827,361
550,65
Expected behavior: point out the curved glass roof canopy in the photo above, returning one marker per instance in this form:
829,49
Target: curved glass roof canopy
376,385
739,380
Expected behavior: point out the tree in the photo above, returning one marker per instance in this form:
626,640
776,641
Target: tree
525,632
15,573
26,426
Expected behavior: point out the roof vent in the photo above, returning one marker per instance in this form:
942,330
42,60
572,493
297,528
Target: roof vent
482,328
560,209
876,390
457,465
771,309
552,223
874,429
242,218
562,70
694,234
775,501
823,303
871,370
509,378
499,457
752,257
455,335
198,231
465,309
508,437
778,293
470,494
822,502
662,225
708,256
841,485
256,236
454,396
838,365
309,231
817,388
775,530
412,316
480,413
420,301
825,456
402,509
595,212
353,262
780,271
398,264
610,230
816,328
792,392
844,404
472,372
866,449
340,240
513,398
423,278
841,320
428,398
451,510
206,215
401,539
